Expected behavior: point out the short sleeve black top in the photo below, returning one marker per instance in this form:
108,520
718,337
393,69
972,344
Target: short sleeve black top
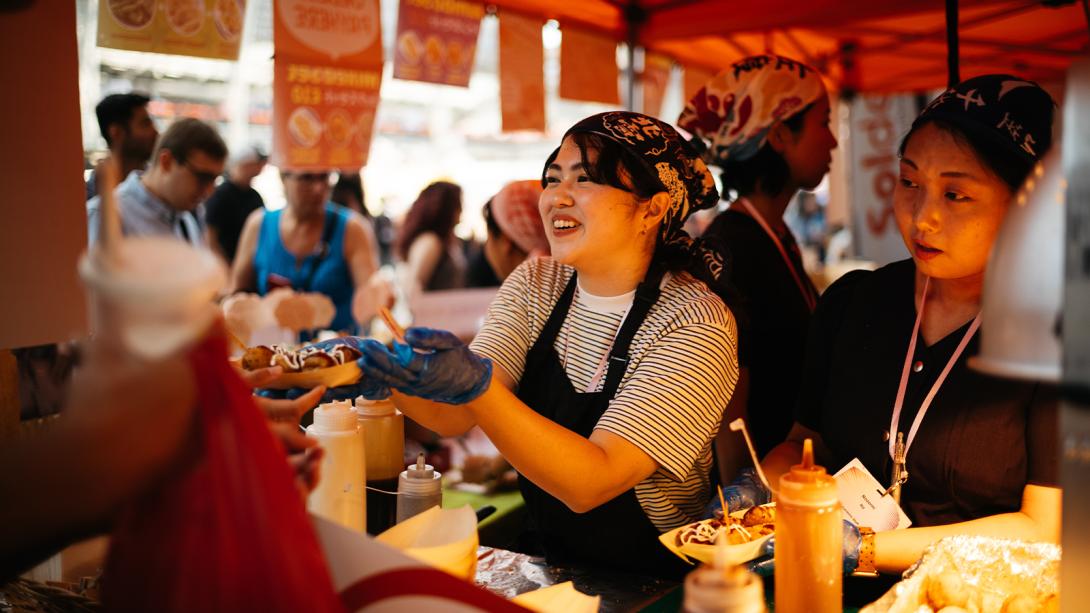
983,438
226,211
776,321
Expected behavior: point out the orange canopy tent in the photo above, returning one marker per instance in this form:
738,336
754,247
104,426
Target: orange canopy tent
861,45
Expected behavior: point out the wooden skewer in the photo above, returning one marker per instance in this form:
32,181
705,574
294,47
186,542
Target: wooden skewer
234,338
722,502
391,323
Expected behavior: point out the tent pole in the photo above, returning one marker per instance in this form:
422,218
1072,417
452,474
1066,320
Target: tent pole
634,16
952,73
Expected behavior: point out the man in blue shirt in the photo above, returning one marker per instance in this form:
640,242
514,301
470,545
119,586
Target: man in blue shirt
166,199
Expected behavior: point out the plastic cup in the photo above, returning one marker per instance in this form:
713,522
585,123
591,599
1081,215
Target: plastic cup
154,296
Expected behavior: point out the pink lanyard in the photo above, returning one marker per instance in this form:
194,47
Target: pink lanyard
807,295
895,422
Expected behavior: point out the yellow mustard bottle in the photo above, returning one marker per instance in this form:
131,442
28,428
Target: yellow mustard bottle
809,540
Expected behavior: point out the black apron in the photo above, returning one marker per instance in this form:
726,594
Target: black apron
617,534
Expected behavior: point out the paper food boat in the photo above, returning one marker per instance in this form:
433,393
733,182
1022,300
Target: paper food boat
736,554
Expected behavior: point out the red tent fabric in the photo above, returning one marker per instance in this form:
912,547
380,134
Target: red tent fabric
865,45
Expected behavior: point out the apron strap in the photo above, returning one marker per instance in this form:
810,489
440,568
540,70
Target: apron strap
647,293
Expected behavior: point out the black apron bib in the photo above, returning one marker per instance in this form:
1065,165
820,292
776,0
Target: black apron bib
616,534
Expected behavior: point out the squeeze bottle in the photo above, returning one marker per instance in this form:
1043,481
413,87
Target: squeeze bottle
383,429
339,496
418,489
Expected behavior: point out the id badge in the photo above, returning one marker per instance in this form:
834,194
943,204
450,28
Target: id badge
865,501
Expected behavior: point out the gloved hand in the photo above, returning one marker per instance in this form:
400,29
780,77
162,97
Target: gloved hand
765,564
435,365
744,492
368,388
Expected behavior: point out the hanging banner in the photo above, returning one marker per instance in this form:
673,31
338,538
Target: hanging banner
201,28
327,73
695,78
656,74
437,40
588,66
522,77
876,126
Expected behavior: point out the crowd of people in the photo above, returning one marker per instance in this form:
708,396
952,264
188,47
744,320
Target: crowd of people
618,345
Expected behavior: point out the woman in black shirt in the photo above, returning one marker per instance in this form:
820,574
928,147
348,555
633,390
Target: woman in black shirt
764,122
983,461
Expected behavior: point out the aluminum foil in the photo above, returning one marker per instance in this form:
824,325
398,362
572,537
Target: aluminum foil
508,574
989,570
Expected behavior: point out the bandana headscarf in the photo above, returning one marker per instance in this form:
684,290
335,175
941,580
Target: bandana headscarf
1013,113
687,180
735,110
515,210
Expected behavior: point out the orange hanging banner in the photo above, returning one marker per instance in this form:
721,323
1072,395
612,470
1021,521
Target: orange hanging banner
656,74
522,77
437,40
588,67
695,78
201,28
327,73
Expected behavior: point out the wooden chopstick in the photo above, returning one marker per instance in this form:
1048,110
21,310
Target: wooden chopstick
391,323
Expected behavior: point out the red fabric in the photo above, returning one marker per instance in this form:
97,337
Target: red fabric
230,534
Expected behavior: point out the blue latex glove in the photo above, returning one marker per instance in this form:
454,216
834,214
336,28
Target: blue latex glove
368,388
765,565
744,492
435,365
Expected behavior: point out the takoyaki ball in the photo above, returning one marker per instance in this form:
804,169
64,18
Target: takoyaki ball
257,357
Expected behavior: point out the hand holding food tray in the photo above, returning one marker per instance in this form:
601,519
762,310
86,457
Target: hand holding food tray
306,367
746,533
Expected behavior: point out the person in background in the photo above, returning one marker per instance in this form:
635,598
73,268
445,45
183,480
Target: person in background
311,245
348,192
515,230
228,207
888,350
129,131
427,242
765,156
166,199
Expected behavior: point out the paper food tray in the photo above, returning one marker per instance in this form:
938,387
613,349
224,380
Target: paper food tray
736,554
334,376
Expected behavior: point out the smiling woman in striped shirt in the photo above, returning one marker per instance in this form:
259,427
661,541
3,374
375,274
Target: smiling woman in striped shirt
601,373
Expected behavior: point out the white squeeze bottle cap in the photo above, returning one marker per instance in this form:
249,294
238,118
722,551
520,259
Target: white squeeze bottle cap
336,416
375,408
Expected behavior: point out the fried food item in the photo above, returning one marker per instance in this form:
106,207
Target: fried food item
344,354
706,532
318,359
946,589
257,357
759,515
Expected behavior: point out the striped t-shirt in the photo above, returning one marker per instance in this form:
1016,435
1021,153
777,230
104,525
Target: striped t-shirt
681,373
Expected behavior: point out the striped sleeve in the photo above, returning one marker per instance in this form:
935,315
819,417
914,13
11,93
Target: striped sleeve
671,406
505,337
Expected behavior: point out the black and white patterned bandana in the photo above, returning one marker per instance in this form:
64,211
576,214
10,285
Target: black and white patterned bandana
1014,113
680,170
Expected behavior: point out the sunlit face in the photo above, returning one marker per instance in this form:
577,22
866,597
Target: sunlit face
948,205
306,192
189,182
588,224
808,152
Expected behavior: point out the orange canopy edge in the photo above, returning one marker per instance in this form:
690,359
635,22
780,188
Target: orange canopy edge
882,46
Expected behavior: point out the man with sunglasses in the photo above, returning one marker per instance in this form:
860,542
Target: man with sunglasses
166,199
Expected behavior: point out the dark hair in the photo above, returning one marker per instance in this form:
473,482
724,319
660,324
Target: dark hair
1007,165
349,185
435,210
117,109
767,170
494,230
615,166
188,134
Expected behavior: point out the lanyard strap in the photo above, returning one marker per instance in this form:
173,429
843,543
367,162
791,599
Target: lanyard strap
807,294
894,423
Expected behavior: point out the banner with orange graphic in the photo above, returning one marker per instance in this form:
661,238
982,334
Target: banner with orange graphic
327,73
201,28
656,75
522,78
588,66
437,40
